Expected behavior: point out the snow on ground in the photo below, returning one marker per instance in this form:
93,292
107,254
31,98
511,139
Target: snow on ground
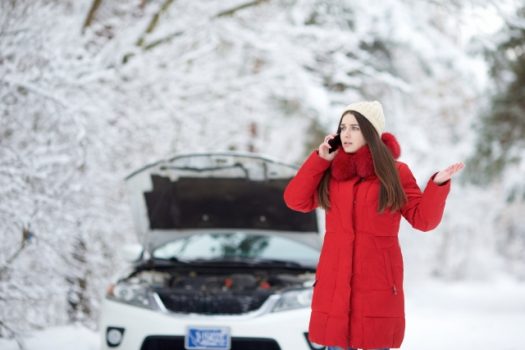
465,316
57,338
461,315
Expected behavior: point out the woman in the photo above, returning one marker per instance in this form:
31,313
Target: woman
358,299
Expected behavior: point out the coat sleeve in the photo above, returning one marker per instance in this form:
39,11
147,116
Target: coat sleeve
423,210
301,192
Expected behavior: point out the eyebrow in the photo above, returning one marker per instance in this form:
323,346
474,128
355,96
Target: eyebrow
353,124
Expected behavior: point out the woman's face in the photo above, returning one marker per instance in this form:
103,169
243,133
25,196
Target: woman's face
352,138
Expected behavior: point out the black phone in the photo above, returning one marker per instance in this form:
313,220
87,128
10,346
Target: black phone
334,143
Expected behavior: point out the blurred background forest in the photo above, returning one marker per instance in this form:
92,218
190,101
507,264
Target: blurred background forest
92,90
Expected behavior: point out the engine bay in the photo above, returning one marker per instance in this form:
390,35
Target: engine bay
213,292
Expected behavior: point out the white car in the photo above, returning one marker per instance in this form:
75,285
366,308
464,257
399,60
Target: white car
223,263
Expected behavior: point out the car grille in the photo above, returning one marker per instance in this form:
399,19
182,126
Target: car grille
213,304
237,343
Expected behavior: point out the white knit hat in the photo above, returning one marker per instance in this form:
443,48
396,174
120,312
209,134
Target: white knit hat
371,110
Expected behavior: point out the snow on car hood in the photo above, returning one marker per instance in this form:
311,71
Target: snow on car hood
215,191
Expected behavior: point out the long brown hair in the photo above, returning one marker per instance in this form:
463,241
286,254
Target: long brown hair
391,194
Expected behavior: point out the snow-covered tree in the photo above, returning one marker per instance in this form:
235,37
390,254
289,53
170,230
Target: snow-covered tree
498,159
113,85
56,218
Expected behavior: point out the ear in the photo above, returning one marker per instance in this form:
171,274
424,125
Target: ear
391,143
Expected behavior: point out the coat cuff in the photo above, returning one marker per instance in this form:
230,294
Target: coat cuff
443,189
446,183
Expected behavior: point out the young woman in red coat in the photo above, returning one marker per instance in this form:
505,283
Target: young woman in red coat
358,299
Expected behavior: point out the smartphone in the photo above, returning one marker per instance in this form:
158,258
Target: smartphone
334,143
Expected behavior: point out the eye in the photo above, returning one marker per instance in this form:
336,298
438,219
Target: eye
342,127
355,128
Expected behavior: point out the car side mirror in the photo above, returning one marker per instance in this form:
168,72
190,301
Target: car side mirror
132,252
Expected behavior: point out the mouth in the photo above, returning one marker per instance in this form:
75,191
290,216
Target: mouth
346,144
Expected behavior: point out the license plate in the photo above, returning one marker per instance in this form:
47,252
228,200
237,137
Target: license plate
207,338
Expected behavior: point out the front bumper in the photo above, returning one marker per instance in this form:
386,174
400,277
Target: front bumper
165,330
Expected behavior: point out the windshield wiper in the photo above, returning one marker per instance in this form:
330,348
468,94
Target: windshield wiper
244,261
286,263
165,261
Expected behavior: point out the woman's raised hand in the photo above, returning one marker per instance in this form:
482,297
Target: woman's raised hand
325,147
445,174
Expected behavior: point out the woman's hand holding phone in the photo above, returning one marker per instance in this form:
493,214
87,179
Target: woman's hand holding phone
327,151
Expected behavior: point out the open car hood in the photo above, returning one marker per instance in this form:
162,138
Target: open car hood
191,193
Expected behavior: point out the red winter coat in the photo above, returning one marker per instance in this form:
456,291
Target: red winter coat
358,296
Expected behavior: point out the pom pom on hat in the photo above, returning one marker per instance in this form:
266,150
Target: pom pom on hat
372,111
391,143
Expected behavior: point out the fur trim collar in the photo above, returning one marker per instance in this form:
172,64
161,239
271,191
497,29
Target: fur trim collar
360,164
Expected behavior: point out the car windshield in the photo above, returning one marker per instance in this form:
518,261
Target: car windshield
237,246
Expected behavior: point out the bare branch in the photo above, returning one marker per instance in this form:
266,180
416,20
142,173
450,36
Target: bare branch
154,21
162,40
232,11
169,37
91,14
13,333
27,235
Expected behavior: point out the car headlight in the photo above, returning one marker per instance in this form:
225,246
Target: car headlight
133,294
294,299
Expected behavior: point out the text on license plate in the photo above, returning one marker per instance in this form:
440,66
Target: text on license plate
207,338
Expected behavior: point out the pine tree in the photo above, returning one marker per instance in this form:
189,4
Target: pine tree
501,138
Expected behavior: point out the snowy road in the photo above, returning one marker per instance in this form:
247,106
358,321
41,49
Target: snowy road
439,316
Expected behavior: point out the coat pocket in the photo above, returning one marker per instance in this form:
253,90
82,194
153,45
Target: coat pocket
389,272
382,265
392,261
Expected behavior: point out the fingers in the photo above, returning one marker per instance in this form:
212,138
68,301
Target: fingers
324,148
454,168
326,139
445,174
